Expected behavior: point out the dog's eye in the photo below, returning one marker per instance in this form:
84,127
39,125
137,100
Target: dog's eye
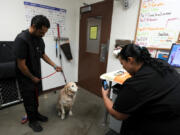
72,85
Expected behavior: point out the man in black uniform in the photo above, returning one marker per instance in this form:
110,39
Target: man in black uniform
29,48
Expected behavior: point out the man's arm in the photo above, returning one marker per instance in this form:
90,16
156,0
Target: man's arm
25,70
50,62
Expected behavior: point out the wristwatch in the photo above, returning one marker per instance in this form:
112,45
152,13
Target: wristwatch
55,67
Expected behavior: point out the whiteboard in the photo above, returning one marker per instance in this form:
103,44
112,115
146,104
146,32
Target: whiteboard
158,23
55,16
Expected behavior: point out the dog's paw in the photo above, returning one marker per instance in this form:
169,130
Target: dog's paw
70,113
62,116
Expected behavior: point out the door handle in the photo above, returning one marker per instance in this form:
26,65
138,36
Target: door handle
104,51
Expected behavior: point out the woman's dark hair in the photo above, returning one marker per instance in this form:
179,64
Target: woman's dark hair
39,21
141,54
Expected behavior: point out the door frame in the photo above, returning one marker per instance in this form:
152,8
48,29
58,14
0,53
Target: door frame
104,40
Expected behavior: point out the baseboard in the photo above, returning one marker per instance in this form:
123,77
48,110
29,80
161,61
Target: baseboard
51,90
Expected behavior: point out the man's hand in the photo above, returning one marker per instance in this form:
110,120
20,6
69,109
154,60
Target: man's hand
35,80
58,68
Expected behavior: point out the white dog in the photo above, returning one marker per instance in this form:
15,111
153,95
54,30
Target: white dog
66,99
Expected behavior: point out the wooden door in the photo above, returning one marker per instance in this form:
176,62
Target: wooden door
95,27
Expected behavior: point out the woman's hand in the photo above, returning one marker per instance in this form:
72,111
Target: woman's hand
105,92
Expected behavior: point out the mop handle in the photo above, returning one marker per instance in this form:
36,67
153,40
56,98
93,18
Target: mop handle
64,77
58,30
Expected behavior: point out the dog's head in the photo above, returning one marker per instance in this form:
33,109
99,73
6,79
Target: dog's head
71,88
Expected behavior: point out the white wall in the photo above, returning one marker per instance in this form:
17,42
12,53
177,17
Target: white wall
72,31
123,27
12,14
89,1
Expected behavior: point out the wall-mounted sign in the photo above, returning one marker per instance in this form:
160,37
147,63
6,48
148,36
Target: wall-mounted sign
93,32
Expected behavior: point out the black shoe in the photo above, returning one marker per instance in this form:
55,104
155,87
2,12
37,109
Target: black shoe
35,126
41,118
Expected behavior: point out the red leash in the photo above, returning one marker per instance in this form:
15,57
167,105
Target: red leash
48,75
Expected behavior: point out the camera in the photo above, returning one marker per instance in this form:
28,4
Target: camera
105,84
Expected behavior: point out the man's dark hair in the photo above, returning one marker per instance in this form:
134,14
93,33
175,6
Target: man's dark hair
141,54
39,20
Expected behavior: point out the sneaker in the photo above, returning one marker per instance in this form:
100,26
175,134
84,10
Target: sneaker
24,119
41,118
35,126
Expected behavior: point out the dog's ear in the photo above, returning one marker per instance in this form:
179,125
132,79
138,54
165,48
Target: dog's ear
66,88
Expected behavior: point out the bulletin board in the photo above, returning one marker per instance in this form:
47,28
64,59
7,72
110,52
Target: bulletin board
158,23
55,16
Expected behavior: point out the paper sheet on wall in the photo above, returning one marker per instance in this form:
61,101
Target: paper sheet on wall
93,32
55,16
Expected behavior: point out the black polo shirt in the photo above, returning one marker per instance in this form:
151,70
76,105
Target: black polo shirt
152,101
32,49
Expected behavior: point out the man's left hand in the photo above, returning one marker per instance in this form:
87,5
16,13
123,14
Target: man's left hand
58,69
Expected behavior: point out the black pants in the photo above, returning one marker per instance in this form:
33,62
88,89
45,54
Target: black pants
30,99
29,93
